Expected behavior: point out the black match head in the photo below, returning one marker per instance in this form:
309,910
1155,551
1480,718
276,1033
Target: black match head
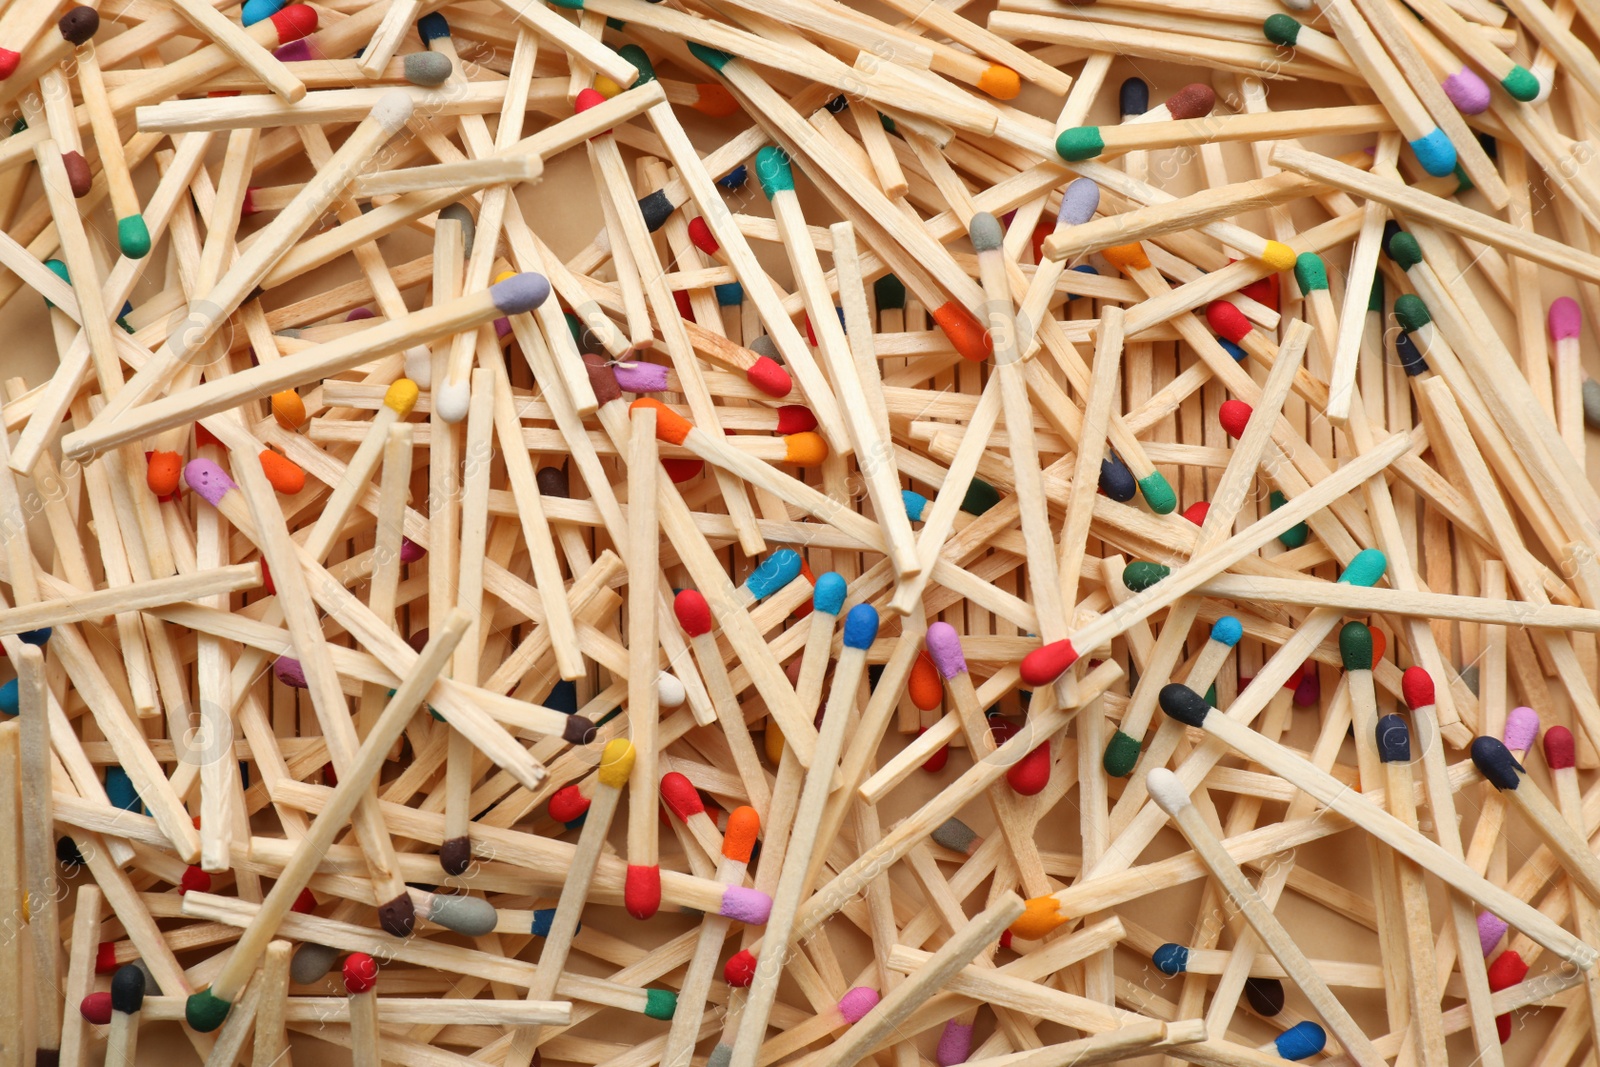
1184,704
127,989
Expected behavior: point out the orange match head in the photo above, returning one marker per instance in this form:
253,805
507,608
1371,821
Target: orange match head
670,426
1126,258
805,449
964,331
739,840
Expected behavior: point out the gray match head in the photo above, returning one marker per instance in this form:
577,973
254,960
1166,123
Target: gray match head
986,232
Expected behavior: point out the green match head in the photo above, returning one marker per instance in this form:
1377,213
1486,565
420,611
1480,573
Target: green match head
204,1011
887,123
640,61
1365,568
133,237
772,170
1412,312
1158,493
1404,250
1375,296
1294,536
1355,646
980,497
1080,143
1309,273
1122,752
1521,84
709,56
889,292
1281,29
1142,574
660,1003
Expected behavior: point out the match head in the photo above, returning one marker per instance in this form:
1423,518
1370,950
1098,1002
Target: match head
1394,740
96,1008
773,171
616,763
671,427
427,69
1560,749
1171,959
1591,403
1197,512
861,627
433,27
1435,152
1184,704
1301,1041
310,963
78,25
1133,98
1079,201
578,730
567,804
1496,763
1044,665
1411,361
956,836
1491,928
1167,790
701,236
204,1011
955,1044
1042,915
1142,574
749,906
1366,567
804,449
520,292
1309,272
681,795
1228,321
969,336
1416,686
670,691
1468,92
398,917
796,418
768,375
1566,319
1234,416
1404,250
1127,258
641,377
1080,143
985,232
739,839
1355,646
656,208
855,1004
162,471
1116,480
1265,996
1227,631
641,890
360,973
828,594
127,989
1158,493
740,970
133,237
923,683
944,648
209,480
1522,729
472,916
693,613
1281,29
1121,754
776,571
1193,101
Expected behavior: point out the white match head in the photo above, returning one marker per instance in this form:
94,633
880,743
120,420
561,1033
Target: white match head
393,110
1167,790
669,691
419,365
451,400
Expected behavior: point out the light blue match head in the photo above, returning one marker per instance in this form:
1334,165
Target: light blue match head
1227,631
775,572
10,698
915,504
254,11
1301,1040
1436,154
829,593
1079,201
861,626
1365,568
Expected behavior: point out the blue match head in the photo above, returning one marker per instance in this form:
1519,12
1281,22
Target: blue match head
1116,480
861,626
1227,631
1171,959
735,178
1496,763
432,27
1232,349
1301,1040
254,11
829,593
1436,154
1411,360
10,698
775,572
543,919
1134,98
915,503
1394,740
729,294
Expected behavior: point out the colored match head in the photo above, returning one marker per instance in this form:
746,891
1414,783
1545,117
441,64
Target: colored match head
1565,319
1167,790
1142,574
468,915
1300,1041
520,292
1416,686
773,171
956,836
1044,665
1355,646
1522,729
1171,959
1496,763
1079,201
1365,568
426,69
986,233
776,571
861,627
127,989
1560,749
209,480
681,795
1491,928
1468,92
204,1011
1394,740
1228,321
78,25
1133,98
641,890
739,839
1193,101
944,648
360,973
1227,631
829,592
855,1004
1234,416
1184,704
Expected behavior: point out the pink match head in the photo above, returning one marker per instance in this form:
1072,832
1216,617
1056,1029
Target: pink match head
955,1044
641,891
944,648
1416,685
1560,750
1491,928
681,795
742,904
641,377
410,551
1227,320
700,234
360,973
1566,318
1522,729
209,480
1192,101
9,61
855,1004
1234,416
694,614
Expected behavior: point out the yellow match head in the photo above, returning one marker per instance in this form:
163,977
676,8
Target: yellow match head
616,763
1278,256
1132,257
606,87
401,397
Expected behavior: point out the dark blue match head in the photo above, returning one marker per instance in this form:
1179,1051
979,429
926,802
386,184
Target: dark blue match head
127,989
1496,763
1134,98
1394,740
1171,959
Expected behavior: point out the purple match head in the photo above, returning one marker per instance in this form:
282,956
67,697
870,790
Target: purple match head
290,672
955,1044
410,551
748,906
1566,319
855,1004
209,480
944,648
293,52
1079,201
501,328
1467,92
1522,729
520,292
1491,928
641,377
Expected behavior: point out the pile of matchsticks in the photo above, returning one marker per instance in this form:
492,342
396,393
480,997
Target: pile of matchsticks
921,577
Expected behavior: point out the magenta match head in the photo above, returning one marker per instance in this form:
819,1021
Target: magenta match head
641,377
855,1004
1560,750
955,1044
9,61
749,906
1491,928
209,480
1566,319
944,648
1522,729
410,551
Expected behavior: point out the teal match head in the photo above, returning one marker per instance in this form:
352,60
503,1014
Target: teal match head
1404,250
709,56
204,1011
1355,646
915,504
1142,574
985,232
828,595
773,171
1366,567
1435,152
773,573
660,1003
133,237
1309,273
1158,493
1521,84
1080,143
1281,29
1122,752
1412,312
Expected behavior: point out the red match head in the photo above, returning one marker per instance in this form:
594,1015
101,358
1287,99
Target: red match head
1227,320
195,880
681,795
796,418
694,614
567,804
641,890
767,375
740,969
1197,512
700,234
294,22
1416,685
1234,416
360,973
1560,750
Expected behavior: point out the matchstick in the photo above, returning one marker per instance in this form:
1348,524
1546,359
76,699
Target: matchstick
644,862
127,997
360,973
